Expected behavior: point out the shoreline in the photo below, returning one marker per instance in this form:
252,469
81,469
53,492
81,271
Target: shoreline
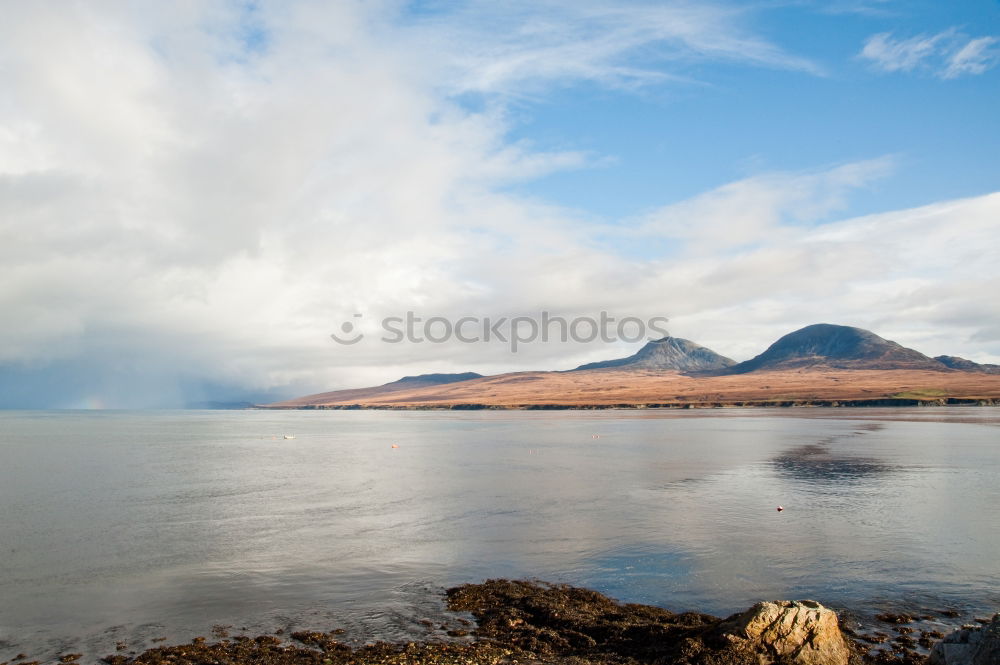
511,622
891,402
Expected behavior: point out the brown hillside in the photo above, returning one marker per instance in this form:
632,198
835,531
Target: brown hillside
608,387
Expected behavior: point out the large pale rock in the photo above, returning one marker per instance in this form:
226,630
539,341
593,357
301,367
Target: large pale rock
790,631
971,645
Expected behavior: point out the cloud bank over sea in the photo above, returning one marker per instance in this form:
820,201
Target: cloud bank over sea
193,197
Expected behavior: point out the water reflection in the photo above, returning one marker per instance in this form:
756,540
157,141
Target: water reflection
822,463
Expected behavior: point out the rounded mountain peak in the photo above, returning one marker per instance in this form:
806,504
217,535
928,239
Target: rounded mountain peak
836,346
670,353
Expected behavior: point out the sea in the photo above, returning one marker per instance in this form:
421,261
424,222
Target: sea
124,529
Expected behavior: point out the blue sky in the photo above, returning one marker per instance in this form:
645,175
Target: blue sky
194,197
675,140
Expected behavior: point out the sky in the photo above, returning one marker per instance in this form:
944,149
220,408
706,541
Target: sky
195,195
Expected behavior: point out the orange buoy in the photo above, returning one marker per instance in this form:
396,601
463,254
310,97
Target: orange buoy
395,446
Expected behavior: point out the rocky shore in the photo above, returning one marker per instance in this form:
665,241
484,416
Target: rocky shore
535,623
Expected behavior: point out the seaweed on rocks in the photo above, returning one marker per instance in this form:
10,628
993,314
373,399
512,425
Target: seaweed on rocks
267,650
559,620
567,624
526,623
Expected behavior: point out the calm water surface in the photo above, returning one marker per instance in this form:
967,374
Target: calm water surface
136,525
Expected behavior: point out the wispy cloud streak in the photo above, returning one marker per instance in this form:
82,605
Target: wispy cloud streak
947,54
504,48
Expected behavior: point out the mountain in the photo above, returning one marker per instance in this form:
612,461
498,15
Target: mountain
819,364
432,379
964,365
669,353
836,347
361,394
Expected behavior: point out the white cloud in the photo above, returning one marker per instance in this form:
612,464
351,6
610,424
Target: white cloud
201,193
977,56
893,55
512,48
948,54
756,210
917,276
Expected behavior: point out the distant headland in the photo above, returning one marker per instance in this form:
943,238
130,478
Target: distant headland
819,365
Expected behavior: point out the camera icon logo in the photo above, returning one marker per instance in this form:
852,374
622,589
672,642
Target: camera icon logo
347,327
